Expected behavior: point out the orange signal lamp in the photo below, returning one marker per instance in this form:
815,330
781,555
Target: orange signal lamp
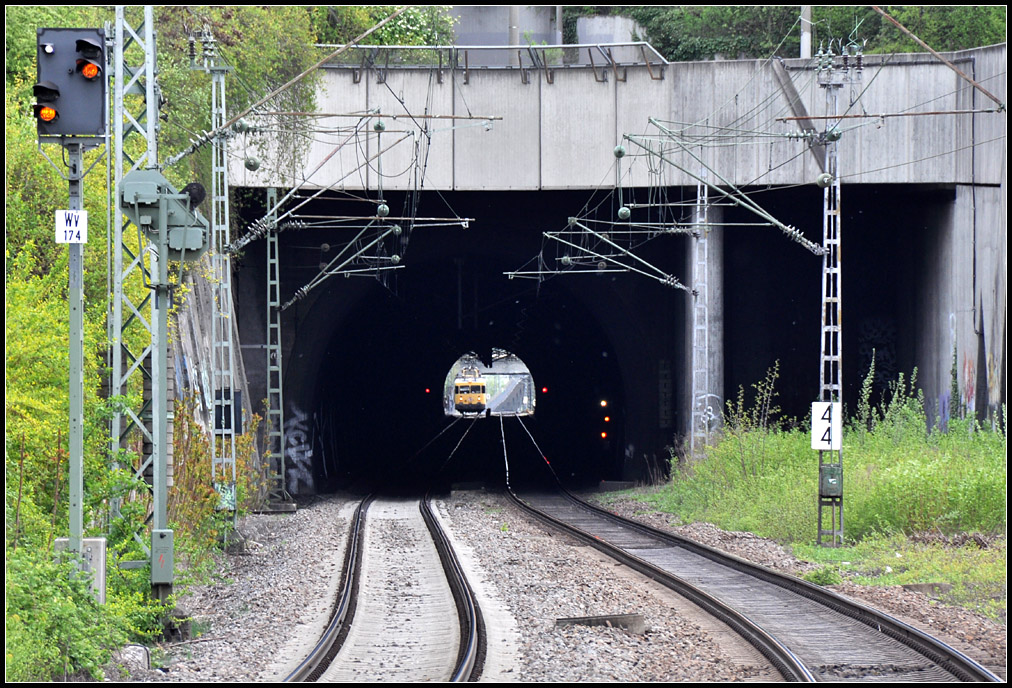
607,419
604,403
604,435
46,113
89,71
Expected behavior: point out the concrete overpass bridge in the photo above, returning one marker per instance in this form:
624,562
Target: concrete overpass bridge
519,150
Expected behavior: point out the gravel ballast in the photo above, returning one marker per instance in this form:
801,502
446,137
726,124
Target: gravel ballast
270,602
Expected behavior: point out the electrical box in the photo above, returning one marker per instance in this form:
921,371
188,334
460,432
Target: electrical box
154,205
831,480
93,558
161,557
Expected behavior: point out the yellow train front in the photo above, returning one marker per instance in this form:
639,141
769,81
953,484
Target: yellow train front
469,395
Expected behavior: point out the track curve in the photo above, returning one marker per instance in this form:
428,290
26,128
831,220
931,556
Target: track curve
834,638
405,612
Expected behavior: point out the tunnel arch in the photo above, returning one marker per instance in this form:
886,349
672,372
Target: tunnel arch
451,296
365,390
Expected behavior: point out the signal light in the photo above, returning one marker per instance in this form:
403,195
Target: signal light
604,435
46,93
607,419
70,93
88,69
544,390
45,113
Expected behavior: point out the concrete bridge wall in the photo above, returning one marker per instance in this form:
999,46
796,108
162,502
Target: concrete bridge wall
560,135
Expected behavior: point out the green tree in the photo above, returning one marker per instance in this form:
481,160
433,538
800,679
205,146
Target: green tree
944,28
418,25
684,33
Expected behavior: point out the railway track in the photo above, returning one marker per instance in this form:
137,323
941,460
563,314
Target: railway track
404,611
806,632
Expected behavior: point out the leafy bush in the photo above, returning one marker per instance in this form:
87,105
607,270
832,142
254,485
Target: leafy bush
55,628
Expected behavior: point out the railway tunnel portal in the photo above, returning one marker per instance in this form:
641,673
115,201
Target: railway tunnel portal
359,352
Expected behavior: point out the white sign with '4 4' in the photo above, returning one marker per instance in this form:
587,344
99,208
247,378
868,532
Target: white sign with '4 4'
72,226
827,425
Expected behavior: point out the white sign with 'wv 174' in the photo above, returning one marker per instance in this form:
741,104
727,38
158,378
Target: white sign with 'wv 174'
827,425
72,226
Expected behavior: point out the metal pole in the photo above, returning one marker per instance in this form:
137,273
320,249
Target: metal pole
513,33
831,345
162,559
75,298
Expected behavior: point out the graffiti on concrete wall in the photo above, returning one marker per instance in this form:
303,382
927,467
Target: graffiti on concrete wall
298,451
994,375
969,384
943,411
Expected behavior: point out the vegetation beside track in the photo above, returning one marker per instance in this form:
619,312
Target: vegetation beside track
920,505
54,629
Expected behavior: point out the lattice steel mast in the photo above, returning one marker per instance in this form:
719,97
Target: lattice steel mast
223,468
832,78
146,368
702,413
277,487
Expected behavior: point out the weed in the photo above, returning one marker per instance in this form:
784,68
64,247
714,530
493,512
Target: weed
748,426
826,575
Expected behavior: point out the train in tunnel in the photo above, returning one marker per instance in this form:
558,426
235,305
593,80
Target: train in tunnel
469,391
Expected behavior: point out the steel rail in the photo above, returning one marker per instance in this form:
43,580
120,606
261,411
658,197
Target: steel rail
945,656
313,666
785,662
471,653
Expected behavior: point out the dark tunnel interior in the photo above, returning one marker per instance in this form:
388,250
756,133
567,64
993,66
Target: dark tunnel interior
391,340
772,290
379,387
382,343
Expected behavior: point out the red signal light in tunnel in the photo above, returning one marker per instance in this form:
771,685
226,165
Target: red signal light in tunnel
544,390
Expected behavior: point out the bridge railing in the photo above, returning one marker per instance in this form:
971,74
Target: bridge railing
530,56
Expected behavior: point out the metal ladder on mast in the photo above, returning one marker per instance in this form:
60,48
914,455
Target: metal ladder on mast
831,354
702,414
223,464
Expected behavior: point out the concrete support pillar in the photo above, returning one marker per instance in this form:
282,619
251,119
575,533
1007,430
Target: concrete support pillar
709,302
807,31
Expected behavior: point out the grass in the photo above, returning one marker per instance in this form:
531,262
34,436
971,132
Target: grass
905,490
977,575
